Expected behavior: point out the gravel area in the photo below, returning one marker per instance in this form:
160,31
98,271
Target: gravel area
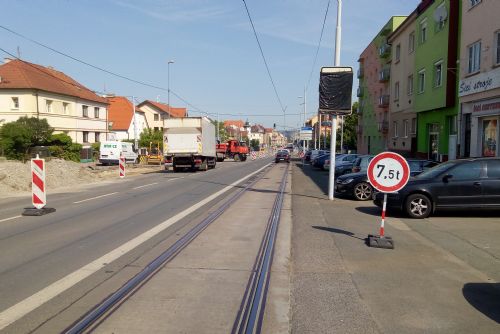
15,176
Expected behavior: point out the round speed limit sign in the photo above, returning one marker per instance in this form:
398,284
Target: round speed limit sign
388,172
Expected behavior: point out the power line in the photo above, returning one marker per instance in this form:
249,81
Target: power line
96,67
263,57
319,45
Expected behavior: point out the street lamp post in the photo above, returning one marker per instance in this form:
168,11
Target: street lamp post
168,85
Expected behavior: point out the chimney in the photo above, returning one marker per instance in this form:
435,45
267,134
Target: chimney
6,60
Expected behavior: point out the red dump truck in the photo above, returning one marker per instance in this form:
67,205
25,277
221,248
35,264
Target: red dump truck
232,149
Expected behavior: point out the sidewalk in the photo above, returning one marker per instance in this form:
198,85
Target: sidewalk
339,285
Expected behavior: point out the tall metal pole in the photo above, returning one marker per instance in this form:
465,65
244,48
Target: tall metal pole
218,136
333,137
342,134
305,111
135,124
168,83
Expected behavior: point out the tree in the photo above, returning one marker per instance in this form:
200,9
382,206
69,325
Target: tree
255,144
39,129
350,129
223,135
151,136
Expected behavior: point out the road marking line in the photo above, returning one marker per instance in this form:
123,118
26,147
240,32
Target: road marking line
10,218
27,305
146,185
89,199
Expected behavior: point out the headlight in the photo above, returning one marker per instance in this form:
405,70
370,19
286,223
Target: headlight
347,181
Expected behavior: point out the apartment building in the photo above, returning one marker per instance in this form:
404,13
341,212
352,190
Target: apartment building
436,102
403,119
374,91
156,112
479,86
32,90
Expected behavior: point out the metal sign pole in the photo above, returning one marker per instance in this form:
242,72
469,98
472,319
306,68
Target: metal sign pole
333,136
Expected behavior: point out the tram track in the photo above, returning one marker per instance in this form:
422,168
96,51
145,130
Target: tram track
91,320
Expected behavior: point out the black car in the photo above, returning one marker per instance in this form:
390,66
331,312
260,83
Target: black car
319,161
282,155
344,163
458,184
357,185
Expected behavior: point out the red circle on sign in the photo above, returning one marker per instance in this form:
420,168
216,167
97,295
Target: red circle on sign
373,179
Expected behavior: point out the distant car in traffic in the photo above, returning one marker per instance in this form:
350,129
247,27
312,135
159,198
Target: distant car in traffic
282,155
458,184
357,185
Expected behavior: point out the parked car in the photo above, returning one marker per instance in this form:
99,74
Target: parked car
307,155
357,185
361,163
344,163
319,161
282,155
458,184
315,153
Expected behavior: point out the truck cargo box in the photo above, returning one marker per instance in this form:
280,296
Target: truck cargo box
189,136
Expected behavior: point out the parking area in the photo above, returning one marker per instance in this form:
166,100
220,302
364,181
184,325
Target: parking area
442,276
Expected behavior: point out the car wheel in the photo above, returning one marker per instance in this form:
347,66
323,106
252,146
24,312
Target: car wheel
363,191
418,206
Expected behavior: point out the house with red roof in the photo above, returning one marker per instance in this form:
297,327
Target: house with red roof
32,90
125,120
156,112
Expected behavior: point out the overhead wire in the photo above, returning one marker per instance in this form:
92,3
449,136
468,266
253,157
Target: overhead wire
97,67
264,58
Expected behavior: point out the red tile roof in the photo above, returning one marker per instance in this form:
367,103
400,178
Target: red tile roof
238,124
19,74
173,111
120,112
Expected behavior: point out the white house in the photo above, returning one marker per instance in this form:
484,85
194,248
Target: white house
125,120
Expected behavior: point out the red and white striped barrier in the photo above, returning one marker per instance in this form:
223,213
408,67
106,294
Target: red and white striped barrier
122,167
253,155
38,195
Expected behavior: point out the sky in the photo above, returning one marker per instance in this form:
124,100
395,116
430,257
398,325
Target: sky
218,68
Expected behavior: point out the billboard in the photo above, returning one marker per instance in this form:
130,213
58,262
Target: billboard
335,90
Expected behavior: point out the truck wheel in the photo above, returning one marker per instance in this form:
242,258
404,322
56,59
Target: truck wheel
244,157
237,157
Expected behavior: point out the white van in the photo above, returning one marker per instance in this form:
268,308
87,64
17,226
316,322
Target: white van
110,151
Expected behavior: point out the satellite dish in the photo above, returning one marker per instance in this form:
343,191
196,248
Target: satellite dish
440,14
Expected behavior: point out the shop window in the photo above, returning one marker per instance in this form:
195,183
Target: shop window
490,137
474,57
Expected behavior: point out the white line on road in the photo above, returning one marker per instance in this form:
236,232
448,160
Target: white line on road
146,185
89,199
10,218
27,305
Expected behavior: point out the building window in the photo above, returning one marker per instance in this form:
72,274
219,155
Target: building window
398,52
474,57
439,24
405,128
423,31
421,81
411,42
438,74
48,105
65,108
97,137
156,117
85,111
395,129
85,136
156,129
413,126
15,103
474,2
396,91
497,48
96,112
409,86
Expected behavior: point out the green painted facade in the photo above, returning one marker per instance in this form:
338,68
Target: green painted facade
434,114
372,61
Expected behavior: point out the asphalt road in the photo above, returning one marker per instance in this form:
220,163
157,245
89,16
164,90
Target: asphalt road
91,222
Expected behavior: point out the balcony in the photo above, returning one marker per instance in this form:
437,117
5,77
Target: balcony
384,50
383,101
384,75
360,92
361,73
383,127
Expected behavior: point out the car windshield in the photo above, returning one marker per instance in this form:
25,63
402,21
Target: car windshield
435,171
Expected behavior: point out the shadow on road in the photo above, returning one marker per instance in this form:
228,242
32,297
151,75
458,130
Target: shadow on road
485,297
376,211
338,231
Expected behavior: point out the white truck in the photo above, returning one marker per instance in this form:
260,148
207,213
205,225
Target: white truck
110,152
189,143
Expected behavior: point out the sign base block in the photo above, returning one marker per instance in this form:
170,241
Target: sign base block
380,242
37,212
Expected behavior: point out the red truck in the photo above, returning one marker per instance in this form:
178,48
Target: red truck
232,149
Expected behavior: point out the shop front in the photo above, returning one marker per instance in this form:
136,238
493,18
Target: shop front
481,128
